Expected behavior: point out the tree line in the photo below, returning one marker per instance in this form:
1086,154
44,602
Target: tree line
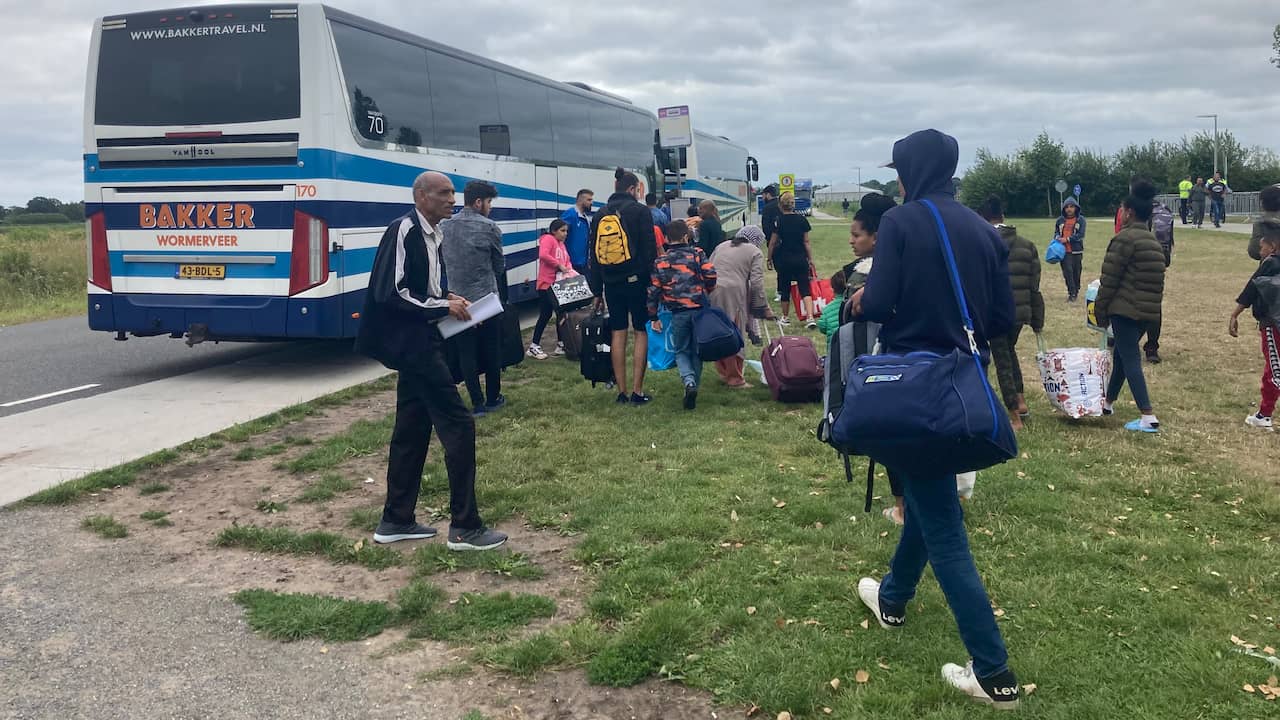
1025,179
42,210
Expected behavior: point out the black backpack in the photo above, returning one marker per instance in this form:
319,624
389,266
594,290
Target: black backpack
595,359
851,339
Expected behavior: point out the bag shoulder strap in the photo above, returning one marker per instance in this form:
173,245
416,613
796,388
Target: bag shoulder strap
953,273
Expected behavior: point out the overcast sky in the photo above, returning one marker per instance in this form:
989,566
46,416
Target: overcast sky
816,90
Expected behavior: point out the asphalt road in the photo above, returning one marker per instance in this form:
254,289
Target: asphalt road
57,355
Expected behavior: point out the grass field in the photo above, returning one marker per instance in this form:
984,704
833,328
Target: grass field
722,546
42,272
727,545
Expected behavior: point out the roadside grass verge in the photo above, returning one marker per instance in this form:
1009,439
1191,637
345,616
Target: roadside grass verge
557,648
364,437
326,488
128,473
476,617
283,541
118,476
42,272
296,616
432,559
105,526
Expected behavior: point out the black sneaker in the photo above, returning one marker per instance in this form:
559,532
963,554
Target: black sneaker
690,397
496,404
1153,358
640,398
389,532
481,538
622,399
999,691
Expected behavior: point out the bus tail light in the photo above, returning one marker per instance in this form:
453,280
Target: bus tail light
309,263
95,228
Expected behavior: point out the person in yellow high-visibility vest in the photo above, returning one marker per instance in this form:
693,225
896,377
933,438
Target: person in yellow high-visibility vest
1184,197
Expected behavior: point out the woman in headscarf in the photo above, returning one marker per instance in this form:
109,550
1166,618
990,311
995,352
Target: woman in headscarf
740,292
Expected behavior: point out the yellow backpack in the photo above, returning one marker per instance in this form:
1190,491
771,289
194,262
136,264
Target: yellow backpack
612,246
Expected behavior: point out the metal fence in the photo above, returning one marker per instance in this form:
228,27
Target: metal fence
1238,203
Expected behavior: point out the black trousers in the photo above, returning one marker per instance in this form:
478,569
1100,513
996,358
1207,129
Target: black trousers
480,351
546,308
1071,267
427,398
1184,208
1152,345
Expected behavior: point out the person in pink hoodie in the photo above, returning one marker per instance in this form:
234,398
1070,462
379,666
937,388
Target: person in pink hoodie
553,265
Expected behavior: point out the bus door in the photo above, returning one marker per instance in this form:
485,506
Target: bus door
522,266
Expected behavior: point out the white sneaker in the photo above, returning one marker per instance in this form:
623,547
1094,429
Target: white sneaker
559,349
1260,422
536,353
783,321
1000,692
869,594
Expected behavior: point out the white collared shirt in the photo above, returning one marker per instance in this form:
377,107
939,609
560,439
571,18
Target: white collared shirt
432,237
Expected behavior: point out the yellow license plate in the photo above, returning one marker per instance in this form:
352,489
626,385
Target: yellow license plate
202,272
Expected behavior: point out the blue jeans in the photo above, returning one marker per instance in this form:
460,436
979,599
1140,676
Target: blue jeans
1126,362
934,533
687,362
1218,211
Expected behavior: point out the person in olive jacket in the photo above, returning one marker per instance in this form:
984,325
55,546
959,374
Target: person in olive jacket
1024,277
1129,298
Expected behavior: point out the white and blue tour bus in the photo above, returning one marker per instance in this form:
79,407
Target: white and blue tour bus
242,161
713,168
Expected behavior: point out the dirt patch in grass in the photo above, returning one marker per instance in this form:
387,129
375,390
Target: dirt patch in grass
222,490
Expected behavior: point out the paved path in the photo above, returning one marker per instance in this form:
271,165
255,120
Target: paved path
43,447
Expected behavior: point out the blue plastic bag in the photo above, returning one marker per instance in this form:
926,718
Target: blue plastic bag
662,354
1055,253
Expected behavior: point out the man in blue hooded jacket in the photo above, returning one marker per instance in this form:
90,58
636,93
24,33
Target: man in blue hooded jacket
909,293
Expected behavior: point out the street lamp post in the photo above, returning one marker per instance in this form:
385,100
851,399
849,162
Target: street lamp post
1215,139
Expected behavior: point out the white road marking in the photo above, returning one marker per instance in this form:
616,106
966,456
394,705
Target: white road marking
68,391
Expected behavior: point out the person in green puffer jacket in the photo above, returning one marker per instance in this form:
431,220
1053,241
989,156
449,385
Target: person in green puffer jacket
1024,276
1129,298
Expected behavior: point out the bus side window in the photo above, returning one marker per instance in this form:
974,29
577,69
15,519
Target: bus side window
464,97
388,85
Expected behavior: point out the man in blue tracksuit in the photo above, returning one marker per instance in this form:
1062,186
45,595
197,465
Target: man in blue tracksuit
578,218
909,293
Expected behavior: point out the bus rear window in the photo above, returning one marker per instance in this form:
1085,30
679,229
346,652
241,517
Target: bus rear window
232,65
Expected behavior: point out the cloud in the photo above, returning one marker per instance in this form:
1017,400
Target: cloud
817,89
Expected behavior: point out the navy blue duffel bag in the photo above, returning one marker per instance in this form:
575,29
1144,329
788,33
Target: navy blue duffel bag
923,412
715,334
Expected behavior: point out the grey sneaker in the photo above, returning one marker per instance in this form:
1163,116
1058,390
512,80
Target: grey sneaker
481,538
389,533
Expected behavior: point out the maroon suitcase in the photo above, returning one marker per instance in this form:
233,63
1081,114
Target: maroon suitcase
792,369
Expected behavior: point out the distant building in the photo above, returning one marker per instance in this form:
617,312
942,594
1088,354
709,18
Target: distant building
841,191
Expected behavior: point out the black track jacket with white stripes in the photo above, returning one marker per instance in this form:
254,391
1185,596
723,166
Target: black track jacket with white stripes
405,296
